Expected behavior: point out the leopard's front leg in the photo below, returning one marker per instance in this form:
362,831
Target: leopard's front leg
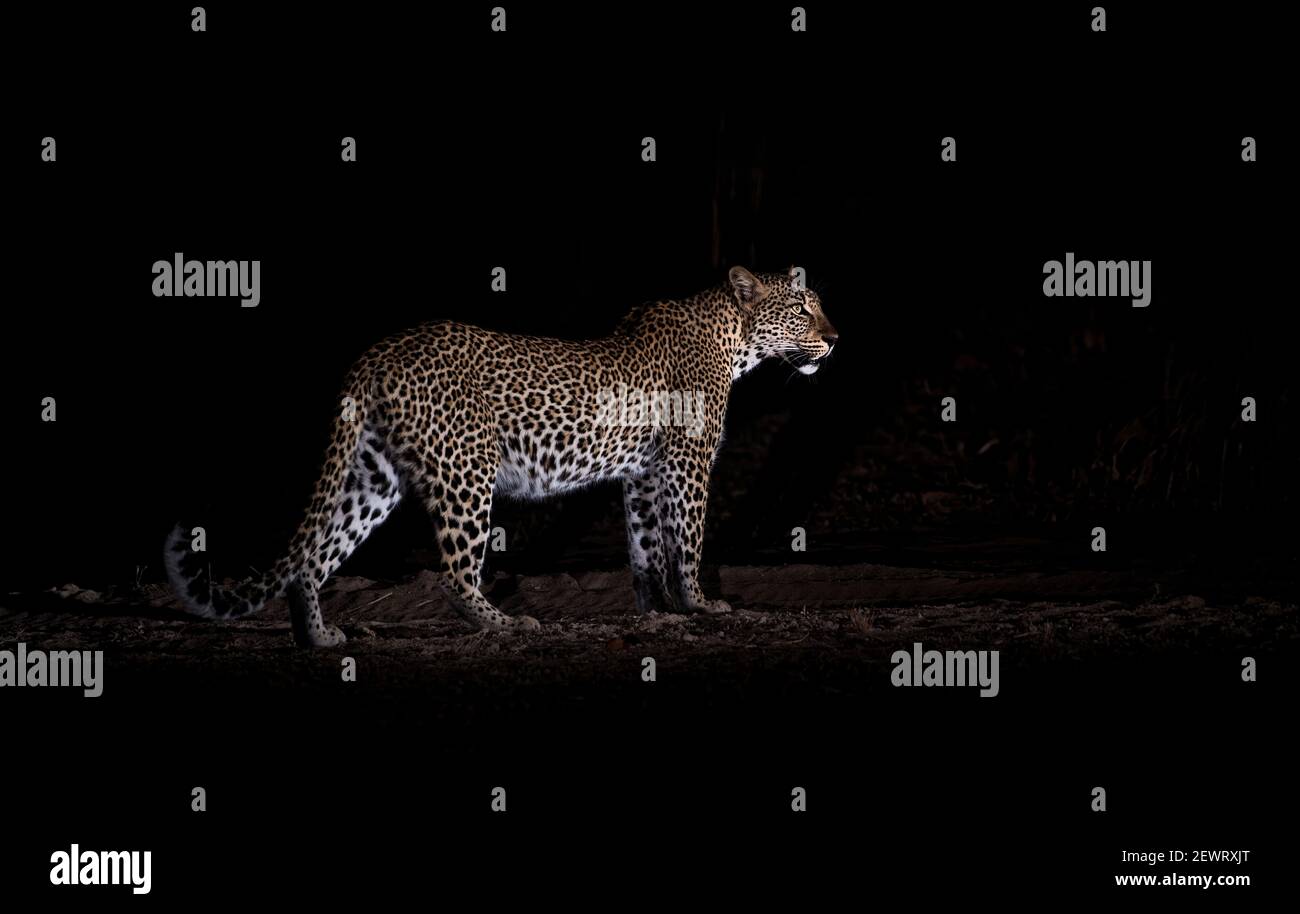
645,543
682,498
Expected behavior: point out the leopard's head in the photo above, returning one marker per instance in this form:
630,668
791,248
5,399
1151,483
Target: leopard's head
786,319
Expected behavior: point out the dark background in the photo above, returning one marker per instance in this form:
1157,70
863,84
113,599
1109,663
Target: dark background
820,150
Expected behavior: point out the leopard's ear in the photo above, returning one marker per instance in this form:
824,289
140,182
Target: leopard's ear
747,288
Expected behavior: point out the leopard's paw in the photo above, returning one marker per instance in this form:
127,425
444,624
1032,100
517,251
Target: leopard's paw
327,636
711,607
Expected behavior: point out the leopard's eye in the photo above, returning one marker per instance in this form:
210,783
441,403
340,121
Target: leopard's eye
797,308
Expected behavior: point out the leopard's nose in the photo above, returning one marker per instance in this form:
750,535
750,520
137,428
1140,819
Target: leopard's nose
830,339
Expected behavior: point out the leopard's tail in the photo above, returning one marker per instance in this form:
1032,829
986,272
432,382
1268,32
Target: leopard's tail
189,572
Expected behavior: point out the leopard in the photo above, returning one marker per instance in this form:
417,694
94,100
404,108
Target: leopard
453,416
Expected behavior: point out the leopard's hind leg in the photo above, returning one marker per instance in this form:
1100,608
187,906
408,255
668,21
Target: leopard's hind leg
369,494
309,628
454,476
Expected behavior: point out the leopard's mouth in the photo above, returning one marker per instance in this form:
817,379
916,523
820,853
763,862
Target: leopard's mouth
806,362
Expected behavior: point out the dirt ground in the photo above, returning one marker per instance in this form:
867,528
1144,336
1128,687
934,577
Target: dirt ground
831,615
